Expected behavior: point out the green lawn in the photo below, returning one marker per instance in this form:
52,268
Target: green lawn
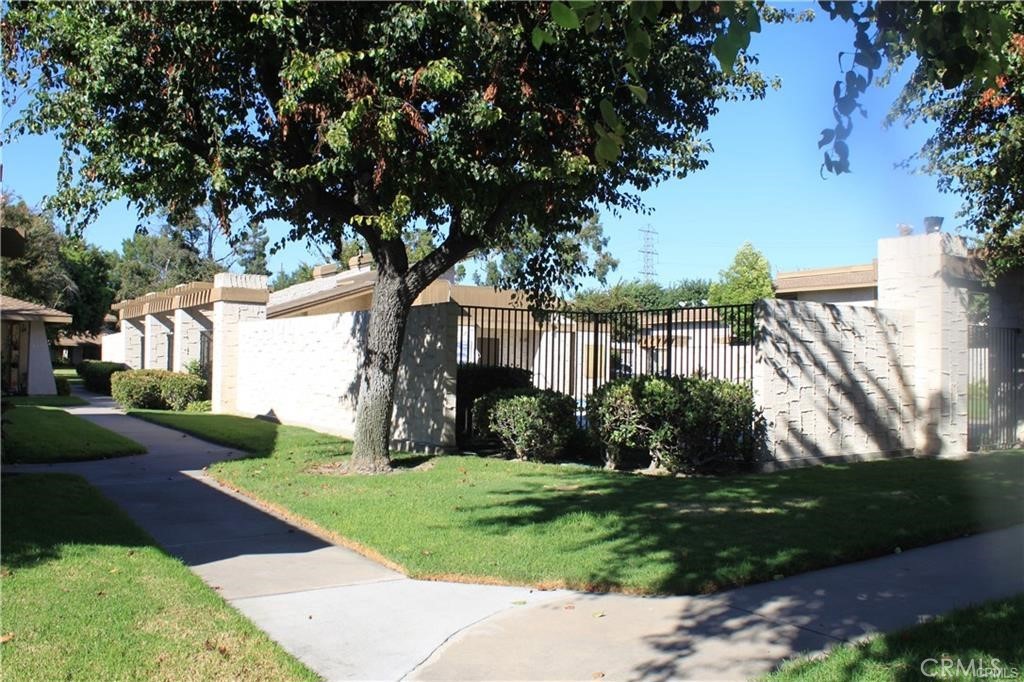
48,400
68,373
88,596
46,434
551,525
980,634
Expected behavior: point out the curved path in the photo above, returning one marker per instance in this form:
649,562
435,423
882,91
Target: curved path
349,618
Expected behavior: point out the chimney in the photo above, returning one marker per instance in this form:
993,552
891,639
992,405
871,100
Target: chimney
932,224
325,270
361,262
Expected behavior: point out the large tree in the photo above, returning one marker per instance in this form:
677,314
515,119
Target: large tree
747,279
57,271
152,262
374,119
251,250
977,149
587,249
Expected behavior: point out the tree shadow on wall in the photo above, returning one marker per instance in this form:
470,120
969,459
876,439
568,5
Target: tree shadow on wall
833,358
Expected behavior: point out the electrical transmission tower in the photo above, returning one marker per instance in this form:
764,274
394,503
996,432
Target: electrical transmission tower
648,252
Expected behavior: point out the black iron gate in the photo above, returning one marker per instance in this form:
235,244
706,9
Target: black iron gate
575,352
995,387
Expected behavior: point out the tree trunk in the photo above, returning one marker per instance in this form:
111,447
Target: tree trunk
385,337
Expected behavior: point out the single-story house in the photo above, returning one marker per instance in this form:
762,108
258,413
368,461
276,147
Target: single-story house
848,285
25,366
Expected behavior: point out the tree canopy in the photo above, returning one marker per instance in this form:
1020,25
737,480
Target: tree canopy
586,249
57,271
641,295
152,262
374,119
747,279
977,149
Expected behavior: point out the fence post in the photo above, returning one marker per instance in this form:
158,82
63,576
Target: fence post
596,320
668,342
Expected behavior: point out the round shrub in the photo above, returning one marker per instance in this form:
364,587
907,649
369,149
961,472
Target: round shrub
535,425
619,415
178,390
137,389
683,424
156,389
63,386
483,405
474,381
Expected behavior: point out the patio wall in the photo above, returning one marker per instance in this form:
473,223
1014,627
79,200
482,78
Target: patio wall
834,380
305,371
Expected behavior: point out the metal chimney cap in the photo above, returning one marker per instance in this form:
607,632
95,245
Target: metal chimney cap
933,224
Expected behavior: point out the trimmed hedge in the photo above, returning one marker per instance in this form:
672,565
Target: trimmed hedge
535,424
684,424
96,374
157,389
63,385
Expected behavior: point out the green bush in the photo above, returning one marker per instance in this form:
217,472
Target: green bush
474,381
198,369
96,374
535,425
683,424
63,386
483,405
156,389
199,406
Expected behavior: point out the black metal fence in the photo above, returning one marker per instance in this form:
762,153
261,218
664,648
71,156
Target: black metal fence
576,352
995,386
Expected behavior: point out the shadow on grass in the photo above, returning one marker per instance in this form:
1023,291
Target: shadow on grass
41,513
257,437
706,534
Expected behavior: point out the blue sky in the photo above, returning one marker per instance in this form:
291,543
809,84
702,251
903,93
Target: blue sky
762,185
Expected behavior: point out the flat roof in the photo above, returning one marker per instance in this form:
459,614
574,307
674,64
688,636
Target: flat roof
828,279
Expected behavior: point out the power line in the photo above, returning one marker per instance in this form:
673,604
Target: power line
649,252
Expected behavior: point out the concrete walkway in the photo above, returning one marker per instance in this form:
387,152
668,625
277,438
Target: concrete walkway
349,618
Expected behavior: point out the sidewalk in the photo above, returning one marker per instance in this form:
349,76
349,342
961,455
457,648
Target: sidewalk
349,618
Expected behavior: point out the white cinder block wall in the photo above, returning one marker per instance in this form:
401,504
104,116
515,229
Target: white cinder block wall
834,380
305,371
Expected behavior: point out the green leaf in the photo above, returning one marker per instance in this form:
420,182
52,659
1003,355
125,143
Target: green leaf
639,93
592,22
540,36
564,16
638,42
609,116
725,49
606,150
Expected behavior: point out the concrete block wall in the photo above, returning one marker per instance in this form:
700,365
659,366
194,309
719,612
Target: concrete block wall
134,342
189,324
158,331
228,317
834,380
306,371
911,277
